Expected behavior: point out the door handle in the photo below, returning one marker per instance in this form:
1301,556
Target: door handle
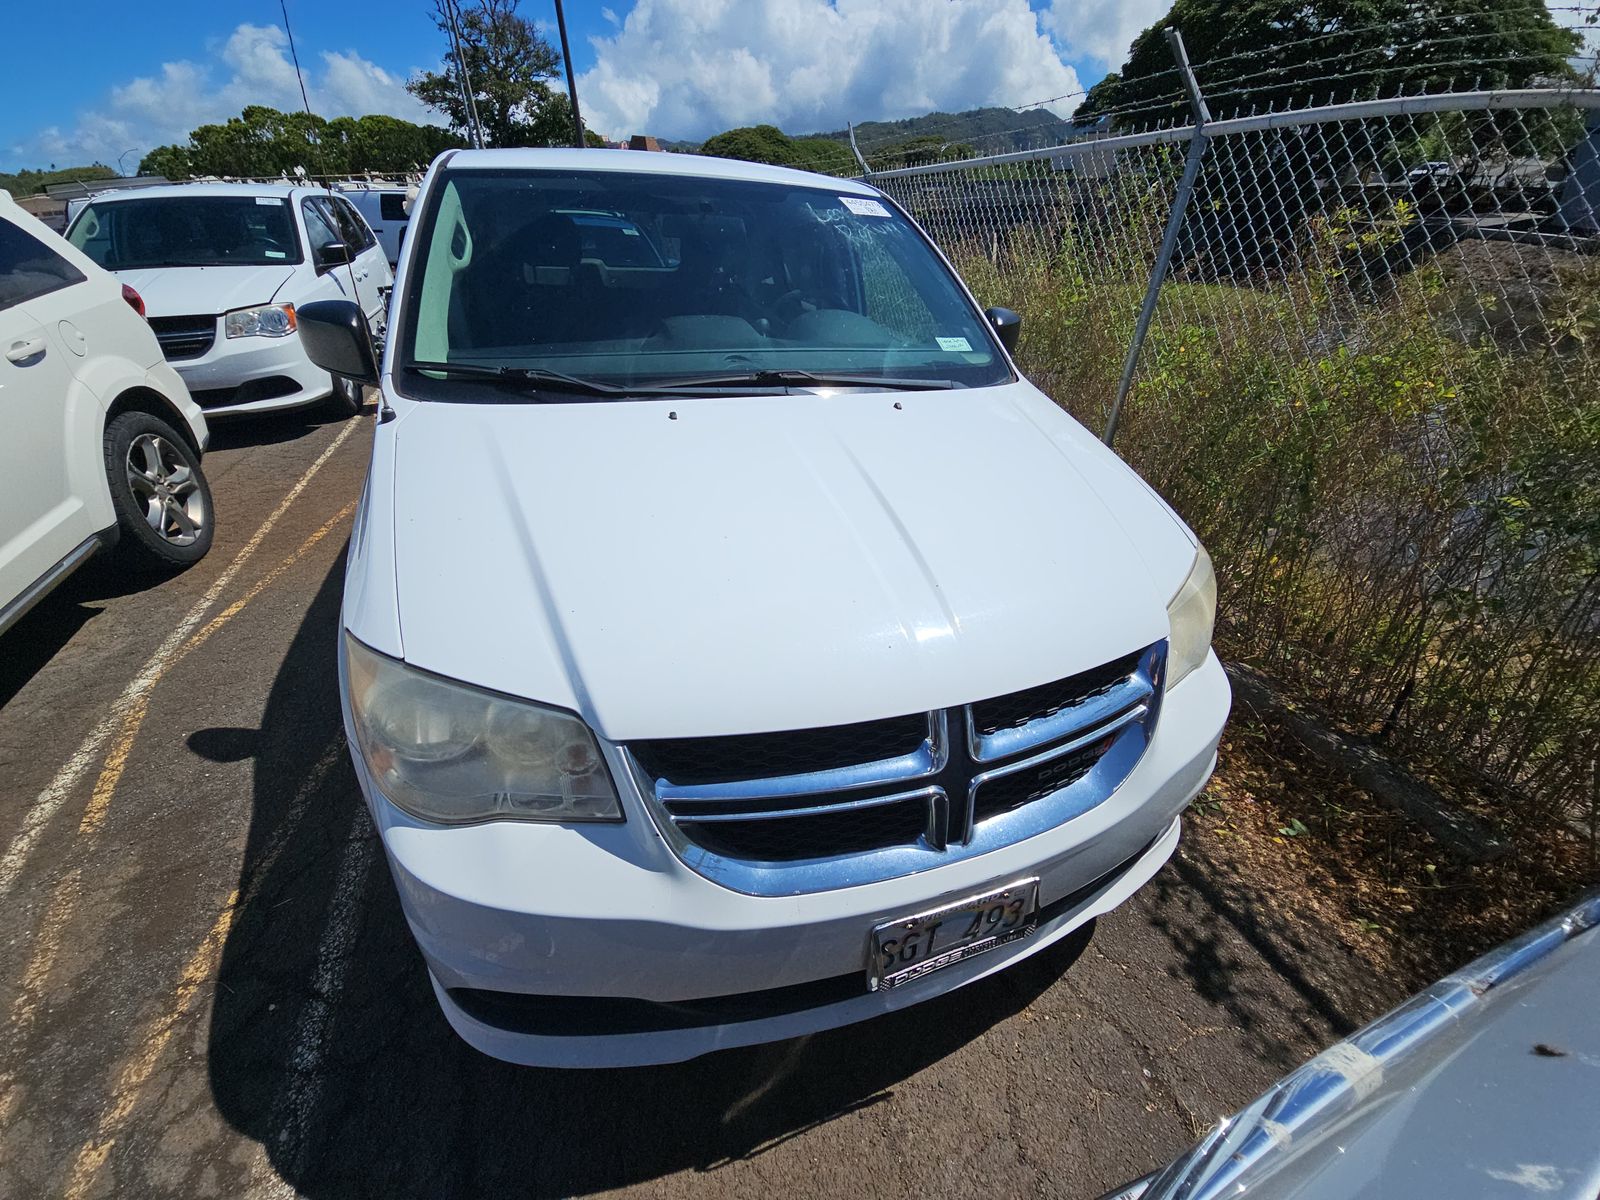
23,349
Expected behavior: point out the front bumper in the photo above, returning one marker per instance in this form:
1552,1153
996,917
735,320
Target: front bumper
254,375
608,911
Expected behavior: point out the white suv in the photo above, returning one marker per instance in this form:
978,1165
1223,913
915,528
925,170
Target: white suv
101,444
223,268
735,645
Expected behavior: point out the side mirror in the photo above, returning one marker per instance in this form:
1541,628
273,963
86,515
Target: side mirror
333,254
337,339
1007,325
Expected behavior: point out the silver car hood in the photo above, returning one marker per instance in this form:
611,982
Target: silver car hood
1487,1084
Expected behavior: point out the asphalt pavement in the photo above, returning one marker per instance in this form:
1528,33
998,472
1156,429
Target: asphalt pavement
209,989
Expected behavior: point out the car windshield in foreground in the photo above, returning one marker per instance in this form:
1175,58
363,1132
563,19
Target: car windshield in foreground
187,231
653,284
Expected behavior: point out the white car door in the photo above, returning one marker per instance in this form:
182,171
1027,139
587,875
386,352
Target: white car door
325,223
373,278
41,519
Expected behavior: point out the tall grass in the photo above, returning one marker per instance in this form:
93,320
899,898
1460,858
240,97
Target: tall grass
1397,473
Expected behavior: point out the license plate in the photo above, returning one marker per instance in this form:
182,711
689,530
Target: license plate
908,948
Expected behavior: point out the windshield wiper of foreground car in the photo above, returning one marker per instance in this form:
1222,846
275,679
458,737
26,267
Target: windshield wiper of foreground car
537,377
795,378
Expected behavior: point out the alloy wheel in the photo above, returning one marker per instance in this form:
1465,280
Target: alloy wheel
166,487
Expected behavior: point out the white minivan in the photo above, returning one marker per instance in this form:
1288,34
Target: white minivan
223,269
734,644
101,443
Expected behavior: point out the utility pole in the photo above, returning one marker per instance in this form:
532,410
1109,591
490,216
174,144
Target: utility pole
572,83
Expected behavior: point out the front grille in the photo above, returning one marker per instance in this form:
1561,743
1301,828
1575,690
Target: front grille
1007,793
868,801
762,755
817,835
184,337
1018,708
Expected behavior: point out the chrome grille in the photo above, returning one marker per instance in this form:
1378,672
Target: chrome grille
810,809
184,337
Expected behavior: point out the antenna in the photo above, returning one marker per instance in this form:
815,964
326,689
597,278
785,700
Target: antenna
283,5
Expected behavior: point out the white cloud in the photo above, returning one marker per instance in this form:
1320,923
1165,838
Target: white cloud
689,68
1101,29
610,14
251,67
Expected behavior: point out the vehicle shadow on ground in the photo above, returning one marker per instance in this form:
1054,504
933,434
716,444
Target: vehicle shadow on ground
1237,959
271,429
327,1046
29,645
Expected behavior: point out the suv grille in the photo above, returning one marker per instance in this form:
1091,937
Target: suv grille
184,337
810,809
753,755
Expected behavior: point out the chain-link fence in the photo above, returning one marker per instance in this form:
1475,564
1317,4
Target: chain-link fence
1371,381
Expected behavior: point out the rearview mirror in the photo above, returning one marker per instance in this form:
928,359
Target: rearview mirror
1007,325
337,339
332,254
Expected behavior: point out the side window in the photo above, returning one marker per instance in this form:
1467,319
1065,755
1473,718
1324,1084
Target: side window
392,206
29,268
319,229
360,235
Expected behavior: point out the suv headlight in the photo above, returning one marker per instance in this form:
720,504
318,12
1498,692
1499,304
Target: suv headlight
1191,615
268,320
451,753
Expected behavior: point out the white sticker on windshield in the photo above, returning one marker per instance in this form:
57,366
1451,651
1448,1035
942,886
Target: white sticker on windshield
268,200
863,207
954,344
276,253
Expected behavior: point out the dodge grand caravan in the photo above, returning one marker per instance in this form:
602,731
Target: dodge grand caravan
734,644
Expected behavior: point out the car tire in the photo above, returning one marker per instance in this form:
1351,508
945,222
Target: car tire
345,399
161,497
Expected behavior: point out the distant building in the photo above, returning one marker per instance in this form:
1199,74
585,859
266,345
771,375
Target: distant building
643,141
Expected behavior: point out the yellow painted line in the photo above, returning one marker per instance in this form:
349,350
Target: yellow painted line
117,759
93,1154
91,1157
49,801
46,949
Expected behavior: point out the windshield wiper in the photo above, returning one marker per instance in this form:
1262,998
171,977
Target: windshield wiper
537,377
795,378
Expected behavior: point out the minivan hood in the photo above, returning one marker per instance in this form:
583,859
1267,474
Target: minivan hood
711,566
185,291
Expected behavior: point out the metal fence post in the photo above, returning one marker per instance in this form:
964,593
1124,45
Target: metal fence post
1169,241
866,171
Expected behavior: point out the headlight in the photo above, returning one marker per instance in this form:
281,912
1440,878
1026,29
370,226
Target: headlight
270,320
447,752
1191,614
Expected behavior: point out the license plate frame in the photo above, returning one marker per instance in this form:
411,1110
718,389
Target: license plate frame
887,964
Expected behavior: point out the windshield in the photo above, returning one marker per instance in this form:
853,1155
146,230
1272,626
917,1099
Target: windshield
623,279
187,231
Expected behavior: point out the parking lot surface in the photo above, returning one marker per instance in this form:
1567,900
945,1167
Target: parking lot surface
209,989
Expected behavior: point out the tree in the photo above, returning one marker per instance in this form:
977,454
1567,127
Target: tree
509,67
265,143
769,144
1255,55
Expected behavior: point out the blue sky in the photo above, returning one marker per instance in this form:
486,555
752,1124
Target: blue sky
89,89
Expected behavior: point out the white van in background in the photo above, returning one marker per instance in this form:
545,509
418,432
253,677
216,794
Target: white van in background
223,267
384,208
